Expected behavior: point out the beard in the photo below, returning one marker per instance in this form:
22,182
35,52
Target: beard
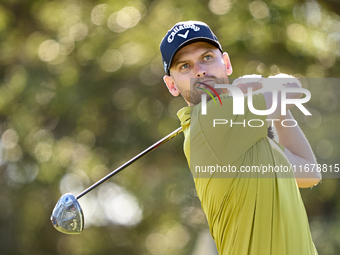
199,86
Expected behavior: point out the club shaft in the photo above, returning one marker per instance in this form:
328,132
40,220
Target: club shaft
146,151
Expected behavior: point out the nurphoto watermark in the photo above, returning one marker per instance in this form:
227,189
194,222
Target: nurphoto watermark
233,115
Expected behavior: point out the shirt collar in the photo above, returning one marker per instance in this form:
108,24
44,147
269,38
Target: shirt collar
184,116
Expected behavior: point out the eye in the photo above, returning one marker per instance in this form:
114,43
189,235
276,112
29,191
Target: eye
185,66
207,57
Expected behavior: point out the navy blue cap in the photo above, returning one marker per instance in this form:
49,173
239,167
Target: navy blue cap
182,34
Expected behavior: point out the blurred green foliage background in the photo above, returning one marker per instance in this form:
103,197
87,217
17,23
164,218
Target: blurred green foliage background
81,92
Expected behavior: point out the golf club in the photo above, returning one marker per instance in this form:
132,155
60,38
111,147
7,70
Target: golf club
67,216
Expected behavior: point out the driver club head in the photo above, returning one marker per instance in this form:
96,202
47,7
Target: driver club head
67,216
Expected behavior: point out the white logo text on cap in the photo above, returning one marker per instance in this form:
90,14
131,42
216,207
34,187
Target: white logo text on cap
176,29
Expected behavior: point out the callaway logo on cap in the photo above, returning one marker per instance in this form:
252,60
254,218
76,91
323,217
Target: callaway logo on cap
182,34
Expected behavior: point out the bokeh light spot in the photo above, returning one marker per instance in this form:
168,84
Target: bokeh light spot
150,109
111,61
259,9
25,174
156,243
324,149
66,45
178,236
46,93
313,13
112,24
315,71
87,137
43,151
333,41
120,206
65,147
9,139
128,17
72,183
14,154
220,7
123,99
326,59
44,135
48,50
98,14
132,53
297,33
78,31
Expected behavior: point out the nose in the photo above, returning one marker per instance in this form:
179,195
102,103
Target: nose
200,71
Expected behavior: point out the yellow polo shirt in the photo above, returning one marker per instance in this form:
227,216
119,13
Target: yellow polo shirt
249,213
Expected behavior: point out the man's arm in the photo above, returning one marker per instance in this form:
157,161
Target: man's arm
280,81
256,83
299,152
297,148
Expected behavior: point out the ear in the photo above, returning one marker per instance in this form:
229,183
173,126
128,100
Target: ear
227,63
170,83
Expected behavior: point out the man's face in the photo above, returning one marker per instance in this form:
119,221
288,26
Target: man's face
193,66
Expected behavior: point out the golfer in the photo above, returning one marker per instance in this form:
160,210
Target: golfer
248,212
